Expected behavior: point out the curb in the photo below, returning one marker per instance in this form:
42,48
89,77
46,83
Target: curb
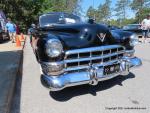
18,73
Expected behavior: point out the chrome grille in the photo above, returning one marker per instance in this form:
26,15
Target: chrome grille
82,58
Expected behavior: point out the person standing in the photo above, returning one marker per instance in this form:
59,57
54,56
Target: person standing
30,32
11,28
145,27
17,29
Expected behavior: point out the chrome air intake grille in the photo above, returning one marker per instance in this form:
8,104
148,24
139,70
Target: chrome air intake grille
81,58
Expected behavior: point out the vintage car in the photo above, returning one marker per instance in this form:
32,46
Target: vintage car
72,52
3,34
135,28
113,27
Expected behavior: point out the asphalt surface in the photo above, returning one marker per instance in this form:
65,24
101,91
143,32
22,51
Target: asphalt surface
123,94
9,67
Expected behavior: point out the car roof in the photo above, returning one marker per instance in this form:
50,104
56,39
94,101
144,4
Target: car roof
55,13
134,24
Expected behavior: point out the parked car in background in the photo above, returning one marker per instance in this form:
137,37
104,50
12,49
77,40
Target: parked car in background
136,28
72,52
3,34
112,27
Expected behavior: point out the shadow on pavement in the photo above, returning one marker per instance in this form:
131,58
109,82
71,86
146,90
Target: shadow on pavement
4,41
16,100
9,68
71,92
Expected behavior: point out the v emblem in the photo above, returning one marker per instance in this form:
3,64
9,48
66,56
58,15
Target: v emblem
101,36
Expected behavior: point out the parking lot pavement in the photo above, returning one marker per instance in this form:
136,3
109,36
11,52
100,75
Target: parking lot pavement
128,94
9,67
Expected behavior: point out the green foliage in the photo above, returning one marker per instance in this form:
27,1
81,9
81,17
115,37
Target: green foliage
139,4
91,12
141,8
102,14
104,11
122,22
25,12
140,15
121,7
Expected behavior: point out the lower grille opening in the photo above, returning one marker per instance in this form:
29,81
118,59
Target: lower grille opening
84,55
113,57
106,59
72,56
84,63
106,52
114,50
72,64
96,53
97,61
120,55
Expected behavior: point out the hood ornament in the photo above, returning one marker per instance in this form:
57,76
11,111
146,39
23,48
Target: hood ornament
101,36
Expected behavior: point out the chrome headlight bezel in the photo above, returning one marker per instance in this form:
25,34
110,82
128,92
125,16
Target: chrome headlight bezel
54,48
134,40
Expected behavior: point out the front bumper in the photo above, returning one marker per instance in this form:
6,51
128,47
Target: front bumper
91,76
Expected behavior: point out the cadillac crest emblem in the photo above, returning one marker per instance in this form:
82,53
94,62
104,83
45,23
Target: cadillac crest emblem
101,36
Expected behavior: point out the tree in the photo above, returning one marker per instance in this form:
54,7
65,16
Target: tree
25,12
121,8
125,22
77,7
105,11
102,14
91,12
142,14
140,6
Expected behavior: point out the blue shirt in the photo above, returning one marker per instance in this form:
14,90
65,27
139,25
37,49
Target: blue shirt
11,27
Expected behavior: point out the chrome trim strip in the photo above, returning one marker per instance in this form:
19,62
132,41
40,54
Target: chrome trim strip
100,48
86,67
91,76
130,51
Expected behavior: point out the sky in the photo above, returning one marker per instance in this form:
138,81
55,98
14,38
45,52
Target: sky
87,3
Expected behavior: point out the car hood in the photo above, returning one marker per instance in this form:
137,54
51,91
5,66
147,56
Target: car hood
80,35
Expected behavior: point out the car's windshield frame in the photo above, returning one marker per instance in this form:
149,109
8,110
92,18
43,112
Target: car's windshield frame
58,18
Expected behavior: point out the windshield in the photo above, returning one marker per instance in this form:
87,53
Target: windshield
58,18
132,27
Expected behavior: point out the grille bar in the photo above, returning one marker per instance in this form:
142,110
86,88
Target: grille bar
93,58
82,58
100,48
83,67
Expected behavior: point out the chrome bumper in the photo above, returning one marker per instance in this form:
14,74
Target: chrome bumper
91,76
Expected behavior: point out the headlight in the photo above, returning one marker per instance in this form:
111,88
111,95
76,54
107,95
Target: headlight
54,48
134,40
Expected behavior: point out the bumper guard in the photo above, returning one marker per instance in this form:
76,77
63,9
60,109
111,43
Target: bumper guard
91,76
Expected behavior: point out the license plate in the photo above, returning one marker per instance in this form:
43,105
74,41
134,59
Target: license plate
110,69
